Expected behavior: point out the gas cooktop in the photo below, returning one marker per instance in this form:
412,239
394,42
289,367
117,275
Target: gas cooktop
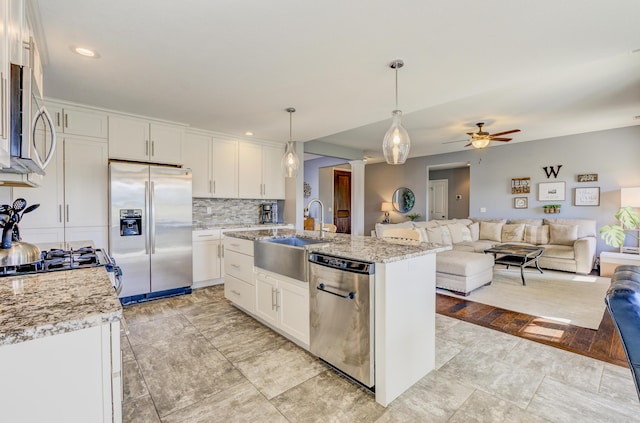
58,259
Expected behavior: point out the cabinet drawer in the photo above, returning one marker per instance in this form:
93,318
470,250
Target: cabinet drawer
205,235
239,266
240,293
243,246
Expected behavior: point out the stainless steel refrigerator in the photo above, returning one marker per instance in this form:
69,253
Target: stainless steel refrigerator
150,228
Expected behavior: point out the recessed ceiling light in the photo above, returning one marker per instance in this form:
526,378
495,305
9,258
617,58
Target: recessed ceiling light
249,133
86,52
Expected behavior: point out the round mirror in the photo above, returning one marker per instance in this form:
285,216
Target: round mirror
403,200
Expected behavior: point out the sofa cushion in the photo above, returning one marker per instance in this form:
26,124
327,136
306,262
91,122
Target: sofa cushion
586,227
439,234
512,232
536,235
558,251
459,232
491,231
532,222
462,263
474,228
474,246
380,227
490,220
563,234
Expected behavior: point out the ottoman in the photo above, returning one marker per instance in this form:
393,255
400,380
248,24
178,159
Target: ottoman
462,271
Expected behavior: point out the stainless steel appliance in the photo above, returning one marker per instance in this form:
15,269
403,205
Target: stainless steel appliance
68,258
269,212
150,229
341,315
32,133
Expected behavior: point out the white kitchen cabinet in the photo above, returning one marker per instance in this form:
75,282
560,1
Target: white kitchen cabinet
141,140
4,84
283,303
73,195
78,121
239,278
259,173
207,255
214,163
19,35
71,377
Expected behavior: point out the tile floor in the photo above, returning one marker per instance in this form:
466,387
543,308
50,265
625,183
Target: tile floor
196,358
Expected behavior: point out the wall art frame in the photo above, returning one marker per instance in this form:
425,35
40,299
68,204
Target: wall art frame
520,185
521,203
551,191
586,196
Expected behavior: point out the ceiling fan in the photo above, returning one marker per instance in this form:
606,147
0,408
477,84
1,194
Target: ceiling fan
481,139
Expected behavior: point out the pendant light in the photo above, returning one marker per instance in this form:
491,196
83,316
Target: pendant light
396,143
290,161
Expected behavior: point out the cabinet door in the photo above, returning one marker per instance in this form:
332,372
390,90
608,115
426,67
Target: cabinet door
98,235
85,182
196,156
206,260
166,144
128,139
224,168
4,85
272,176
293,307
249,170
77,121
18,33
266,294
50,196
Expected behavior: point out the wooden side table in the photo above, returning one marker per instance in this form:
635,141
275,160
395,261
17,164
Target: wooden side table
610,260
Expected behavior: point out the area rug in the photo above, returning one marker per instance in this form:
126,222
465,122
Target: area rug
566,297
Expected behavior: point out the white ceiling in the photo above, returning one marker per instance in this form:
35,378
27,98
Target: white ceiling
547,67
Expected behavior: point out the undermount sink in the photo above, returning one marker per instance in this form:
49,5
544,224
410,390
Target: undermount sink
284,256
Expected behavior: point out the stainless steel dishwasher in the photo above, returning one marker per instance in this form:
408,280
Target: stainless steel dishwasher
341,315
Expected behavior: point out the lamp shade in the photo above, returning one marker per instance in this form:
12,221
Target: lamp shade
396,143
630,197
480,142
290,161
386,207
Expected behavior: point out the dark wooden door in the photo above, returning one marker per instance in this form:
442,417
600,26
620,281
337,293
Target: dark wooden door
342,201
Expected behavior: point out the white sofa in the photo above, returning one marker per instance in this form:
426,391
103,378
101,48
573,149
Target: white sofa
569,244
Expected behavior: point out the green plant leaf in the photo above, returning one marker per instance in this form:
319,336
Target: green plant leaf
613,235
629,218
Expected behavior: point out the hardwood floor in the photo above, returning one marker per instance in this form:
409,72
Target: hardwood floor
602,344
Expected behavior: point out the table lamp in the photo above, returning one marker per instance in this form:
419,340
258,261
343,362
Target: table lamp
386,208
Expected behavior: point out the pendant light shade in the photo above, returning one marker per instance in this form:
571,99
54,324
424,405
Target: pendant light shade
480,143
290,161
396,143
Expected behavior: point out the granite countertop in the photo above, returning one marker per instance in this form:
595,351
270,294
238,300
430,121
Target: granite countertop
44,304
365,248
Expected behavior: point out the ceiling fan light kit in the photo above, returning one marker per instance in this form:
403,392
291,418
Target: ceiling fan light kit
290,161
481,139
396,142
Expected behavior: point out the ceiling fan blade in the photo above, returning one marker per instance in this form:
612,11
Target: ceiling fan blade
471,133
468,145
505,133
501,139
456,141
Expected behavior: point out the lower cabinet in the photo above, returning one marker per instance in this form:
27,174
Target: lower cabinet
207,254
283,303
70,377
239,278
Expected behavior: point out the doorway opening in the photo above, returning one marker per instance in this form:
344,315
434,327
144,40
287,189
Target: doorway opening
328,179
448,191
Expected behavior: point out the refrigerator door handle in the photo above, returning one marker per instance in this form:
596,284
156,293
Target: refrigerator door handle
152,219
148,221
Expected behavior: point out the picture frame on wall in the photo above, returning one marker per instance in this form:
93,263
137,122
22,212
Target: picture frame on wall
551,191
521,202
587,196
520,185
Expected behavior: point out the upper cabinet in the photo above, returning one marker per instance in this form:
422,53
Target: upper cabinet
214,163
77,121
4,84
259,174
19,35
141,140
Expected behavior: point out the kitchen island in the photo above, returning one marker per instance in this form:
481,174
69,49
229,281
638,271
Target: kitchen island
404,305
60,347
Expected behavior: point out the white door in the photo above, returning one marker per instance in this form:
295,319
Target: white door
438,199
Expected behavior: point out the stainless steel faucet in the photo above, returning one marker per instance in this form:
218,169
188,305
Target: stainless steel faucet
315,200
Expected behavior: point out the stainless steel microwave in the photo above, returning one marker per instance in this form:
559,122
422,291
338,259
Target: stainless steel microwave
32,133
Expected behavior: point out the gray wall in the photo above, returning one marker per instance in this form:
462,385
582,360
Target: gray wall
458,185
612,154
311,176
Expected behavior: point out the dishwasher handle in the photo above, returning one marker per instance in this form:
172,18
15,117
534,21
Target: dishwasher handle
349,295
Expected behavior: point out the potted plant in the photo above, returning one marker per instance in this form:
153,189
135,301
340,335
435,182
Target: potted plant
552,208
413,216
614,235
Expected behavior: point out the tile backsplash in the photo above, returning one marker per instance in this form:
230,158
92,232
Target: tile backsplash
228,211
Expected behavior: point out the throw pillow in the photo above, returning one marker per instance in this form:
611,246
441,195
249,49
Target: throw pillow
532,222
536,234
474,228
491,231
435,234
563,234
455,230
512,232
